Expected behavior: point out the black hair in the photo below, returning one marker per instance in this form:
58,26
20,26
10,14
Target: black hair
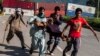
41,8
77,10
57,8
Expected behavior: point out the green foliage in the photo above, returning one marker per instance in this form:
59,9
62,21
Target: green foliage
94,22
0,1
66,18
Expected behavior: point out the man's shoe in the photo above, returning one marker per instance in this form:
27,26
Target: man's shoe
52,54
30,51
48,51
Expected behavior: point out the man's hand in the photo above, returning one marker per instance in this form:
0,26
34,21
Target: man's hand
64,38
92,31
96,37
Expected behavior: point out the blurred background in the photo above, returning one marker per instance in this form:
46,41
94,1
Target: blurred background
31,6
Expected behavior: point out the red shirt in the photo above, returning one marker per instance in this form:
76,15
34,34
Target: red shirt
76,26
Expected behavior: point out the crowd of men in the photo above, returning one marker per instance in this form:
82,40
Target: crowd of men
40,25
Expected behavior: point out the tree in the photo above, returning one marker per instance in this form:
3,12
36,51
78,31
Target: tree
94,3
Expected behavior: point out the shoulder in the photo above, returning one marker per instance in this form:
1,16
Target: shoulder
72,19
83,19
31,19
44,19
52,14
11,16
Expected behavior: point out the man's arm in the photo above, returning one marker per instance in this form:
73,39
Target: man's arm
8,21
92,31
62,35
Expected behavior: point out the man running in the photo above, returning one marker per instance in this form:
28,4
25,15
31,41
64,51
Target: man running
74,36
37,32
54,30
14,22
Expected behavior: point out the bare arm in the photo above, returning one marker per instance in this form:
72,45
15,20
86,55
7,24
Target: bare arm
63,38
92,31
7,23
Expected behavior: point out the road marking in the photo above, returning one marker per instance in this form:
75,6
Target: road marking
59,48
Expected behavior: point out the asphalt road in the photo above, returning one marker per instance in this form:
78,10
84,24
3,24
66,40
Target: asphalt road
89,45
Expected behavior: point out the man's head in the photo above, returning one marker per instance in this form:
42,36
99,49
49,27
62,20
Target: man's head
57,9
18,11
78,12
41,10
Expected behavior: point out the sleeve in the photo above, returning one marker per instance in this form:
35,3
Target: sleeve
44,20
84,22
30,20
68,22
10,18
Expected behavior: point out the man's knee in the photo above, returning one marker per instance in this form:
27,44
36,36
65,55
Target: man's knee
67,49
50,42
34,47
57,41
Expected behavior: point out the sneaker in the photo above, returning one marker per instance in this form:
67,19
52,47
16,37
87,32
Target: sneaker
48,51
30,52
30,55
51,54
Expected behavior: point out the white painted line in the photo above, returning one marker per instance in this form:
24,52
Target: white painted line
61,50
